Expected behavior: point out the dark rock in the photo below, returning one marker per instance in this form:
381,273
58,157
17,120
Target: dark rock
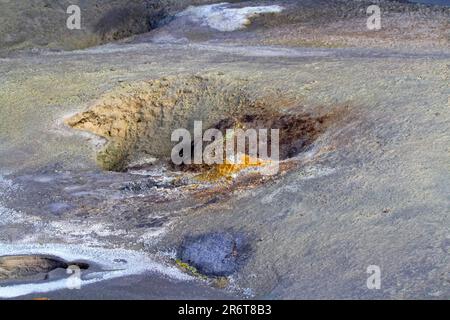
215,254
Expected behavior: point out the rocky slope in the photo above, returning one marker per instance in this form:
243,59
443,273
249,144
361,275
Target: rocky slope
42,23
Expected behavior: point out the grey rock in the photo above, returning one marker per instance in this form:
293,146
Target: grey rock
215,254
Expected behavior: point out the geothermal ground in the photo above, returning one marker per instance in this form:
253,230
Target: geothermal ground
85,176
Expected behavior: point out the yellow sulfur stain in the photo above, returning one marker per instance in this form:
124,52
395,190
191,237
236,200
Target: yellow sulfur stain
227,169
190,269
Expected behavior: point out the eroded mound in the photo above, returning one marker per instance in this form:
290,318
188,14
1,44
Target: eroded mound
138,119
26,266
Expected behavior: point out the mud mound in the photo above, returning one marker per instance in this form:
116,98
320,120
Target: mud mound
138,119
21,267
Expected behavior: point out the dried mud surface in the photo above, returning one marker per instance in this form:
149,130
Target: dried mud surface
369,188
